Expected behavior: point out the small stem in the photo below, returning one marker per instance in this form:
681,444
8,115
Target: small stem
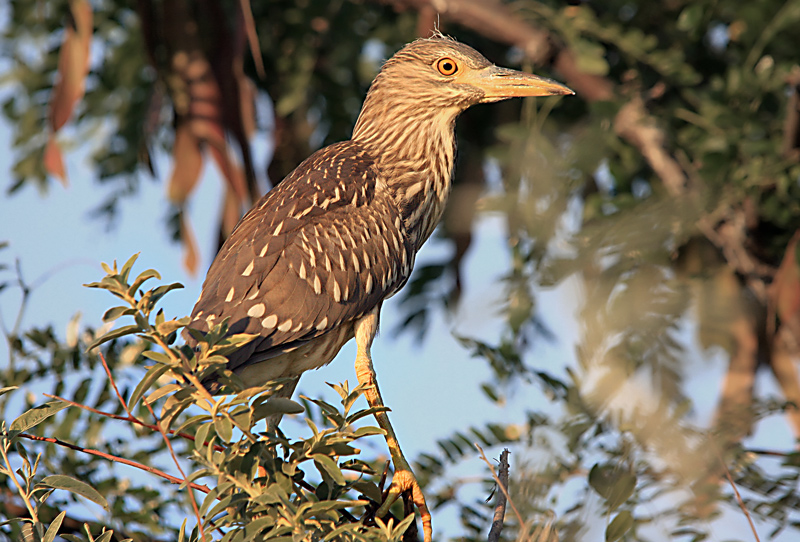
114,385
177,464
736,491
13,476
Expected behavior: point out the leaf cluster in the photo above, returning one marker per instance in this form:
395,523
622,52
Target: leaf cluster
256,485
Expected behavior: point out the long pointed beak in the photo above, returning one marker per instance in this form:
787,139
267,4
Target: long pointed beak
501,83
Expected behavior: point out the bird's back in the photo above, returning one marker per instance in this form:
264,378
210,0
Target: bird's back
319,251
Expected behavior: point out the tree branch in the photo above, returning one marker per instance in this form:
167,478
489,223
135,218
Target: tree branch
131,419
634,125
503,488
500,508
117,459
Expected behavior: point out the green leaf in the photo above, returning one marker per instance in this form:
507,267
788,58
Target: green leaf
8,389
166,328
52,530
160,357
224,428
366,412
153,374
115,312
368,489
613,483
159,292
124,273
367,431
62,481
161,392
619,526
277,405
691,17
201,436
114,334
37,415
326,464
143,276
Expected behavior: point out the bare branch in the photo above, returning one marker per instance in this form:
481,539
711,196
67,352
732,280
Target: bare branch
114,385
500,508
633,124
499,483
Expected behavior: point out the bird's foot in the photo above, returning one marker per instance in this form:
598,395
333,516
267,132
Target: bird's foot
404,481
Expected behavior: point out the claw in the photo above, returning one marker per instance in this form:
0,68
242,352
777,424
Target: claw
402,481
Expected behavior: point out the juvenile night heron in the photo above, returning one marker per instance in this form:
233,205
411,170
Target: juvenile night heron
308,268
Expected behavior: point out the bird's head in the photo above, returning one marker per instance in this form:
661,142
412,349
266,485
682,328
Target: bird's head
441,71
434,80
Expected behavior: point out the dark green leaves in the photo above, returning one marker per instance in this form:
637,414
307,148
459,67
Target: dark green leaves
115,334
619,526
613,483
276,405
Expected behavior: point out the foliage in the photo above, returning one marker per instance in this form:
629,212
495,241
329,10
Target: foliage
265,485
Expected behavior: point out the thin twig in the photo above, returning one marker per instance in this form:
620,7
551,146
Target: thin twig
771,453
166,441
132,419
252,37
502,488
177,464
124,461
114,385
500,509
736,491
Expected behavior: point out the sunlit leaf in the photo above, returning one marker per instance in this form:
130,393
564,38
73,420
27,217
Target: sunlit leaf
55,525
327,465
619,526
37,415
61,481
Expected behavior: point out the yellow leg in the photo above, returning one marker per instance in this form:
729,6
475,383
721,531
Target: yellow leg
403,479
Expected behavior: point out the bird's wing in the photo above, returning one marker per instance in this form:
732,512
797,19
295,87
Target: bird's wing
324,247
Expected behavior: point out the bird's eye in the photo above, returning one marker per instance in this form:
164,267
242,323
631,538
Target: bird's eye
446,66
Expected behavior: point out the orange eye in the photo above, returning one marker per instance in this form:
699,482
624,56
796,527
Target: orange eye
446,66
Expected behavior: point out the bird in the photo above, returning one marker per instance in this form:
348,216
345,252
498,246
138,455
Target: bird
308,268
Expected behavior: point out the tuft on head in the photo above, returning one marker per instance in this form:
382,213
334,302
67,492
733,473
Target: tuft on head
437,34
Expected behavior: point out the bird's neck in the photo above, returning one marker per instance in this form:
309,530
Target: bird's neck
415,155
